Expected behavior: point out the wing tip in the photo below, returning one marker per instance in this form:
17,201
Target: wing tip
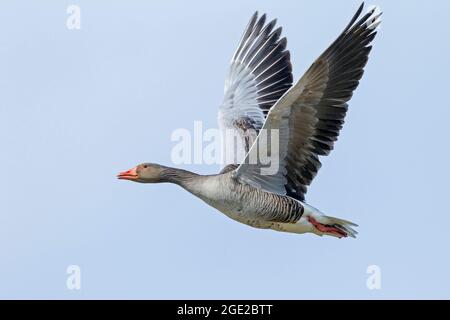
374,20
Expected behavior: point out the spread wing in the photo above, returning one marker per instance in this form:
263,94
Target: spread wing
308,118
260,73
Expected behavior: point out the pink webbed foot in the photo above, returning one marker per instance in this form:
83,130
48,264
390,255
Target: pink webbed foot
330,229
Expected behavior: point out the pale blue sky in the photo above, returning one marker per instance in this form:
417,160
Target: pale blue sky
76,107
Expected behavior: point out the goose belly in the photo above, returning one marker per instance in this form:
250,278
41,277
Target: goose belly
239,207
233,208
242,203
235,211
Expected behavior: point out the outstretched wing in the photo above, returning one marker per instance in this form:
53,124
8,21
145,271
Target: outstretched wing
309,116
260,73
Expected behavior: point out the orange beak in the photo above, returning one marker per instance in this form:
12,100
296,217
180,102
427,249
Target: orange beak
128,175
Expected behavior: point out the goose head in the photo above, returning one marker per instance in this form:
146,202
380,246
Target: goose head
144,173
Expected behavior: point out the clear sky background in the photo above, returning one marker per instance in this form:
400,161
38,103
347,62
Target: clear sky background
77,106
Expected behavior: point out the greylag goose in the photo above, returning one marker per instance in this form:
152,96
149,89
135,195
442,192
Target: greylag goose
307,118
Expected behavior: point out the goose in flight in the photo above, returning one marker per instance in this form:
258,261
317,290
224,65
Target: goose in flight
306,117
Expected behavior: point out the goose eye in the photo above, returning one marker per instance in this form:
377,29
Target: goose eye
145,166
